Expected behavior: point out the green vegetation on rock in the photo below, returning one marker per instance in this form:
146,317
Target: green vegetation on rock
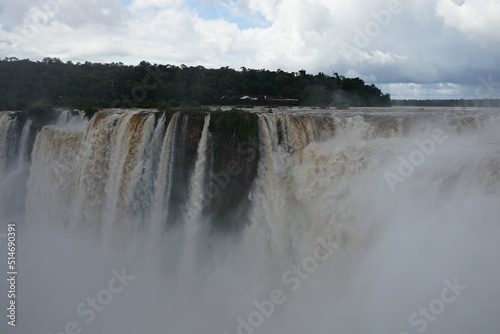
41,114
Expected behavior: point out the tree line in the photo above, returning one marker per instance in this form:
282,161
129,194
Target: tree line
101,85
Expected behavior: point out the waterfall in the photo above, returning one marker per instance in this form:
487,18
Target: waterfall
15,133
67,117
163,182
128,142
114,175
196,187
4,121
93,155
268,200
53,176
23,145
348,215
5,125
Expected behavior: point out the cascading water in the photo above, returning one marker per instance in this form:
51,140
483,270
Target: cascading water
194,207
358,221
5,124
15,133
164,181
23,145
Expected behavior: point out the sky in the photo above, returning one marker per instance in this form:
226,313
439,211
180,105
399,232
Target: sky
410,49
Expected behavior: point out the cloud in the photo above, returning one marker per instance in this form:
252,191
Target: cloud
477,20
141,4
383,41
444,90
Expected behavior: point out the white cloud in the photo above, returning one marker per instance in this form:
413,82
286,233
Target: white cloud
443,90
140,4
477,19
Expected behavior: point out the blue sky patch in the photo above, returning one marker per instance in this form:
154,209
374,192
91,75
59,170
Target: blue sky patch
211,11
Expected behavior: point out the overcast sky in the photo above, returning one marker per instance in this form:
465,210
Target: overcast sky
410,49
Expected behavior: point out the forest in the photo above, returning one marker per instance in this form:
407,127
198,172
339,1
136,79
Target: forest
24,83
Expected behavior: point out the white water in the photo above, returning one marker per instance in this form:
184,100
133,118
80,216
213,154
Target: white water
23,145
163,184
194,205
5,124
321,181
14,166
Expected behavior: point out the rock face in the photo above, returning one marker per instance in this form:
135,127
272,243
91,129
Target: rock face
231,159
235,155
